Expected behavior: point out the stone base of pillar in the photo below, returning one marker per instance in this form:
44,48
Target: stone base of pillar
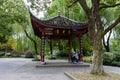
81,62
43,63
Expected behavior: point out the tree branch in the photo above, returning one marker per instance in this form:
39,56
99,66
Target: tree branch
75,1
103,5
85,7
28,35
35,44
104,42
117,21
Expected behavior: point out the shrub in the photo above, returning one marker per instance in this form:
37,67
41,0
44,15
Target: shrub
16,54
52,58
28,54
117,57
35,59
8,54
108,58
87,59
62,54
86,53
2,54
115,63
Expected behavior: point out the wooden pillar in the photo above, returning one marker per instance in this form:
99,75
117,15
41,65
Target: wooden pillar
42,47
69,50
81,49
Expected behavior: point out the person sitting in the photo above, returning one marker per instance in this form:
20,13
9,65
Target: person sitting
75,57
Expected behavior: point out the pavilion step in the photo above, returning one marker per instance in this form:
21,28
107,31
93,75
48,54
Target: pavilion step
63,64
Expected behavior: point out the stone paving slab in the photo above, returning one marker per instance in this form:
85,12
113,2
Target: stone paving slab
33,77
25,69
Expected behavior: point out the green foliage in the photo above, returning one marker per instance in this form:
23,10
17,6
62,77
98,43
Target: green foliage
115,44
75,44
8,54
117,56
2,54
115,63
35,59
87,48
63,53
13,16
111,59
108,58
3,38
5,30
9,45
109,2
87,59
28,54
75,12
52,58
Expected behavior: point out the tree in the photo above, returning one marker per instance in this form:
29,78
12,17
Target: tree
96,29
5,19
10,44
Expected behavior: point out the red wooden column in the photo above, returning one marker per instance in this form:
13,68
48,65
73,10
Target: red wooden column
42,47
69,50
81,49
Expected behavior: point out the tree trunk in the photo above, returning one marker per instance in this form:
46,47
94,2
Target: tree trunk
97,62
106,45
35,43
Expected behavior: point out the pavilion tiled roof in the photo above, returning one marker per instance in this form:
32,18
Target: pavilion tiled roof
60,21
63,21
58,27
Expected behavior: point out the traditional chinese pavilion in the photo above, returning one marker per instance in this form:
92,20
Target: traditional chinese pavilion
58,27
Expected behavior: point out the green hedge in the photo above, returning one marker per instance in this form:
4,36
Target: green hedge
117,57
2,54
115,63
112,59
108,58
63,53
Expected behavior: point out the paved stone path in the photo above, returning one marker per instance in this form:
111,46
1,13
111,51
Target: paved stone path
112,69
24,69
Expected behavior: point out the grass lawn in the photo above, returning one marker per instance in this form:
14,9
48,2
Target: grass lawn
88,76
87,59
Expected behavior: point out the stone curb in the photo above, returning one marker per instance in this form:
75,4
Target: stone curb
57,64
70,76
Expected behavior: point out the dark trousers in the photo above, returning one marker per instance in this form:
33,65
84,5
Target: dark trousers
73,59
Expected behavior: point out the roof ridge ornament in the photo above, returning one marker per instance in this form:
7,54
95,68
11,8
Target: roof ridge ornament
59,13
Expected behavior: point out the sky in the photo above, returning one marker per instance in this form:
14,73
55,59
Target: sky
39,14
